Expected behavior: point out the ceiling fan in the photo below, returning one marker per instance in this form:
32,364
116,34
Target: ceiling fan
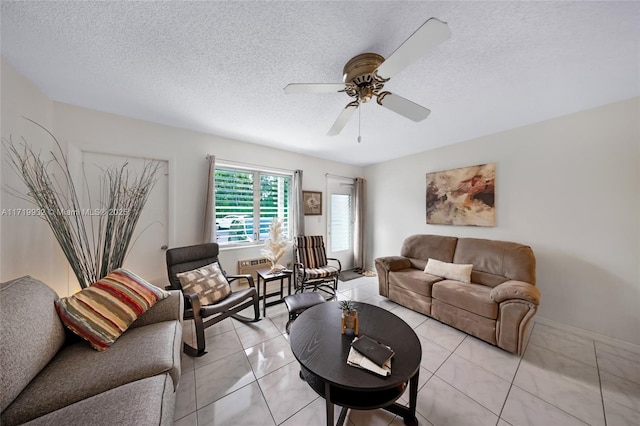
366,74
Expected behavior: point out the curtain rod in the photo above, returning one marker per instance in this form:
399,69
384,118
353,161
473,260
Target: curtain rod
250,165
338,176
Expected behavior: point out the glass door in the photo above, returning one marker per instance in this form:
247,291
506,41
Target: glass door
340,220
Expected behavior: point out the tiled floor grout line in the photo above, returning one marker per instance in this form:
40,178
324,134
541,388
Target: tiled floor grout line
515,373
616,374
561,354
535,396
264,396
552,404
507,396
305,406
196,396
470,397
226,356
256,379
604,410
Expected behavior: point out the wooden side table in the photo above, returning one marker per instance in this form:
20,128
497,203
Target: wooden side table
264,276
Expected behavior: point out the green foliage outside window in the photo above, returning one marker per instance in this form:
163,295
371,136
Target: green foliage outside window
239,202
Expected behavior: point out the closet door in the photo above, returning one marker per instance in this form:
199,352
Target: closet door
146,256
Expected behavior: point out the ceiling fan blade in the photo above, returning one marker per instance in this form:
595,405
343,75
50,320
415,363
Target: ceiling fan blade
313,88
403,106
343,118
429,35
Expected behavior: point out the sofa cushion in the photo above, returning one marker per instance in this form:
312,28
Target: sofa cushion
103,311
414,280
419,248
452,271
476,325
30,331
148,401
410,300
496,261
470,297
78,372
208,283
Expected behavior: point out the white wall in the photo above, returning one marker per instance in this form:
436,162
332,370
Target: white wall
27,244
90,130
569,187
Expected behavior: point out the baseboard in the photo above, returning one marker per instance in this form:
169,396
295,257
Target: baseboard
631,347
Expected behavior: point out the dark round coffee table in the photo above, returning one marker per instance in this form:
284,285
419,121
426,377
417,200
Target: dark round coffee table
322,350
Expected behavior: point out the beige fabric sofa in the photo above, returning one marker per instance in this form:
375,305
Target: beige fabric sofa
495,306
51,377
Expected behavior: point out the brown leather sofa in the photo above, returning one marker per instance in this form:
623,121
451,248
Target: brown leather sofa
496,306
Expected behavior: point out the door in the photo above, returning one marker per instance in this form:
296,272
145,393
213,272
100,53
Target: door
340,220
146,256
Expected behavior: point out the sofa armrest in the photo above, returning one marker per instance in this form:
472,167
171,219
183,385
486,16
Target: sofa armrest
393,263
513,289
169,309
384,265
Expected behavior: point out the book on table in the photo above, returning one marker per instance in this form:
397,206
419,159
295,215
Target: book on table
375,351
370,355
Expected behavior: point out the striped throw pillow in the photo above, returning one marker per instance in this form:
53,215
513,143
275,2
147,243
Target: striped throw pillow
103,311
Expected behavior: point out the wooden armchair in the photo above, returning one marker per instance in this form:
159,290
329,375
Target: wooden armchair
183,259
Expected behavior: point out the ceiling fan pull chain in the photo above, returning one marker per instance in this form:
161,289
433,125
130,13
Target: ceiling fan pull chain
359,124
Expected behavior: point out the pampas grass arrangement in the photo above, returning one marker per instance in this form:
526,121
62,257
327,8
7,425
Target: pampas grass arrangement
95,241
276,246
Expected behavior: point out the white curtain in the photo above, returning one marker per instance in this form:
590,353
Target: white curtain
358,227
297,209
209,229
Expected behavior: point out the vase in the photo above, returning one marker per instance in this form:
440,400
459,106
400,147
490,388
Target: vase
350,322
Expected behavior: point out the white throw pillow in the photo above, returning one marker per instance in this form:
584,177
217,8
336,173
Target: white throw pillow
452,271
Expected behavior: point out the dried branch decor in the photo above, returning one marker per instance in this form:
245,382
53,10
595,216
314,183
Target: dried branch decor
95,241
276,246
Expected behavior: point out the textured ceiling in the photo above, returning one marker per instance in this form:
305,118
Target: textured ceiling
220,67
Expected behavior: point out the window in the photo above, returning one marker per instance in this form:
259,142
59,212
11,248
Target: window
246,203
341,220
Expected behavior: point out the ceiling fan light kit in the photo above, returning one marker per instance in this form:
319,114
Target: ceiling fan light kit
365,75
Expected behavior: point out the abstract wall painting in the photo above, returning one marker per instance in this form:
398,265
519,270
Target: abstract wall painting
464,196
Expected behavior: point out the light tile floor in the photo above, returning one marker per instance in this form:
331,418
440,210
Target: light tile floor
250,377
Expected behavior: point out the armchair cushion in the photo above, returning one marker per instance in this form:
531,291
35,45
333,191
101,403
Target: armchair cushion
102,312
321,272
452,271
208,282
515,290
311,251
